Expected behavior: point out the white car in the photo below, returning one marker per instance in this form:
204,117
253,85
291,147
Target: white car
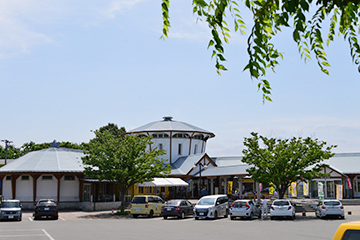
244,208
329,208
282,208
212,206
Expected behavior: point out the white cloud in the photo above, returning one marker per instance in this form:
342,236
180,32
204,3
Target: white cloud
119,7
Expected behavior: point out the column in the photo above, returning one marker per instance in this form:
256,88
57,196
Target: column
240,188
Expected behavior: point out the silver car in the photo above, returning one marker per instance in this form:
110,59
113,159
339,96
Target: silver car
329,208
244,208
212,206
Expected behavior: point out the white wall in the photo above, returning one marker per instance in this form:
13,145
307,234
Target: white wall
69,189
6,188
24,189
46,188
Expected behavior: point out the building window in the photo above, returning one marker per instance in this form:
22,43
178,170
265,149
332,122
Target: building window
179,150
47,177
195,149
181,135
25,178
69,177
160,146
8,178
141,190
199,136
160,135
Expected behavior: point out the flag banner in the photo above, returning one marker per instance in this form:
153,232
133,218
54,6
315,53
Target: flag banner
230,186
321,190
339,192
271,189
349,183
294,191
260,186
306,188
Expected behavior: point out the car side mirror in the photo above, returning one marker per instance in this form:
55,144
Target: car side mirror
217,203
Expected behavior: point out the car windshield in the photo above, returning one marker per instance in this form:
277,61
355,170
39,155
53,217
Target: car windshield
332,203
206,201
173,203
10,204
46,203
281,203
139,200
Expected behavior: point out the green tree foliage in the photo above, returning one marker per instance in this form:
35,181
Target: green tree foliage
269,18
123,160
284,161
114,129
14,152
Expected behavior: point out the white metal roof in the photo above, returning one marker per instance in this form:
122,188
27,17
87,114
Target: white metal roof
169,125
48,160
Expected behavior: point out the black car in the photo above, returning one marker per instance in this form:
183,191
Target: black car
177,208
46,208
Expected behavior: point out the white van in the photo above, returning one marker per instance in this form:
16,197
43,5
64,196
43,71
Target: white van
212,206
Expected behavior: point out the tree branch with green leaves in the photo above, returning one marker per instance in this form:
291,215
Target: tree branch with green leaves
269,18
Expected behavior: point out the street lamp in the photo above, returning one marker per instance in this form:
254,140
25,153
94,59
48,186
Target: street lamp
6,148
205,167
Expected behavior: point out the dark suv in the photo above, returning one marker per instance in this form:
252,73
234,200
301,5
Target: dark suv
46,208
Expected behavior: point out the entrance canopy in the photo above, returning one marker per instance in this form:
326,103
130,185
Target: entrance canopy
164,182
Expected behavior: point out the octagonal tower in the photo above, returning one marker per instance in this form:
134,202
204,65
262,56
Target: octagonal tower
178,139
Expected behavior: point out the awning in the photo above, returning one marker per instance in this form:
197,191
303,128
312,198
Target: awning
164,182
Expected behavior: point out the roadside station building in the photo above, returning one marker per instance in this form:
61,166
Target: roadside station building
58,173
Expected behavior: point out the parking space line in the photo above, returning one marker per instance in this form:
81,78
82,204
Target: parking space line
31,219
62,218
47,234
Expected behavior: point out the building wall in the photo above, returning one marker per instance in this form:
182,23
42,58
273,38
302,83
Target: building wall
24,189
46,188
185,145
6,191
69,189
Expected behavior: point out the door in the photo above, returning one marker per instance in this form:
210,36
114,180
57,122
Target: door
87,193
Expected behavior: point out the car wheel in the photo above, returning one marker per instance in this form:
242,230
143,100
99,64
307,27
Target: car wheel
232,218
165,217
56,217
151,214
215,215
196,218
271,218
251,216
182,216
293,217
135,216
342,217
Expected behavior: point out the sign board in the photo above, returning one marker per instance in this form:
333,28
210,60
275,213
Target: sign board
306,188
321,190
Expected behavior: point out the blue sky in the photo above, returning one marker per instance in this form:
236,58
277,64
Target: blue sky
69,67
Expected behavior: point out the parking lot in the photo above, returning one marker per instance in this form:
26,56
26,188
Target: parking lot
102,225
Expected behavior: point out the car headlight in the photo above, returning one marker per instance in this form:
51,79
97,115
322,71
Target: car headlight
18,212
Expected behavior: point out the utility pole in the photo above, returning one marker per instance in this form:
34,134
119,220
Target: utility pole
6,148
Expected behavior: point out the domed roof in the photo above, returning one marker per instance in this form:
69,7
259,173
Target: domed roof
169,125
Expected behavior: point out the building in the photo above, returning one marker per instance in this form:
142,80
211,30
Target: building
185,145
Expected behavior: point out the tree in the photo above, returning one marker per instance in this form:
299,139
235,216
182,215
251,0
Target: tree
123,161
270,17
281,162
114,129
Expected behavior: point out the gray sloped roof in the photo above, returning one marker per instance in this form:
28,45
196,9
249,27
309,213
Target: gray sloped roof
48,160
226,170
168,125
346,163
227,161
184,164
